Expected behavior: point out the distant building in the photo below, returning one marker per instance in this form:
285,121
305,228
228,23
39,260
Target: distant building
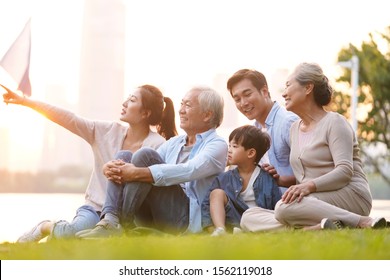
102,59
101,87
60,147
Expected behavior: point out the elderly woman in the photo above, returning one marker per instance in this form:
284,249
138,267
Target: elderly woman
330,189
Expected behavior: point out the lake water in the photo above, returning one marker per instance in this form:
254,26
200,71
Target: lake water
20,212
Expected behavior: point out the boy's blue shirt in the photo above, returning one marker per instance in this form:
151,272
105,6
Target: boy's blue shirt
267,192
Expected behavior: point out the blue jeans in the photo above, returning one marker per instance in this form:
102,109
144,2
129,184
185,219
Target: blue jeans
114,193
165,208
86,217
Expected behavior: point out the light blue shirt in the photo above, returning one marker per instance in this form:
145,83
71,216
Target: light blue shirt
207,160
278,124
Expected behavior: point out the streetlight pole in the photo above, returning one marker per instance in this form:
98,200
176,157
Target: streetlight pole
353,64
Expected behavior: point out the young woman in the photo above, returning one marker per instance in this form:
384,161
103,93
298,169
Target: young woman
144,108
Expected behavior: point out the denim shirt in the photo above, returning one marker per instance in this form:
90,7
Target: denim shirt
278,124
265,189
207,160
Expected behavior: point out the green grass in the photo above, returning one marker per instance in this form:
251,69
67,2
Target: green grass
350,244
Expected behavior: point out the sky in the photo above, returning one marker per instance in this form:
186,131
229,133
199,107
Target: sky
175,44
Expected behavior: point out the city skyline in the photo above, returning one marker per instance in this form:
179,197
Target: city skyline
174,45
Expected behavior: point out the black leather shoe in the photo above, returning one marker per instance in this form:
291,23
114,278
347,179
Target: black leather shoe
379,223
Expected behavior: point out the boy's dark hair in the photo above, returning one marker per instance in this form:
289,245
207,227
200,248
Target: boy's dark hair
251,137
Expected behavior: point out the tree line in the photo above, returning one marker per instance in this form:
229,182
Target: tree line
67,179
373,97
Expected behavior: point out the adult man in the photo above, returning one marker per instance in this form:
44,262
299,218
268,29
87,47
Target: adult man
249,90
164,189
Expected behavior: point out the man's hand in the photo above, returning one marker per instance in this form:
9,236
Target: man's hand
283,181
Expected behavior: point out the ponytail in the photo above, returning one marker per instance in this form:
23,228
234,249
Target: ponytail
167,127
163,117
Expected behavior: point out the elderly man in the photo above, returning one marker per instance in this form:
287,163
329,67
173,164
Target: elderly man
164,189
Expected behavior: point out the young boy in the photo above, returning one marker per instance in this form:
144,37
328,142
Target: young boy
245,186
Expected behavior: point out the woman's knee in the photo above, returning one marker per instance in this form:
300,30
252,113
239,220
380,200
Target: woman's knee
87,212
281,212
145,157
124,155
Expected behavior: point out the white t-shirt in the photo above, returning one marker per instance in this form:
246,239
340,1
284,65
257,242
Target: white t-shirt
248,195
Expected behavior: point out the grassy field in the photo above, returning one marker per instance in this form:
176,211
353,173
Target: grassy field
349,244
